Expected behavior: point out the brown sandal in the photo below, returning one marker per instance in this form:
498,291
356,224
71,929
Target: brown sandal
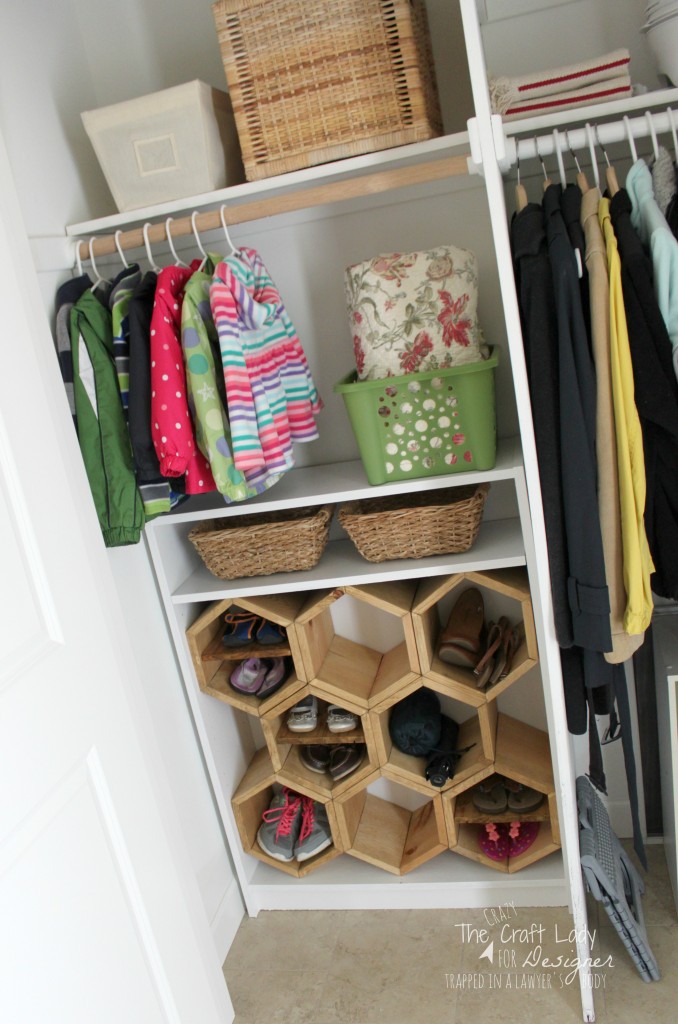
485,667
461,640
501,659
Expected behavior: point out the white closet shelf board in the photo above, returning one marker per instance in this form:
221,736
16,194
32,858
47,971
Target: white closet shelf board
499,545
596,112
448,881
281,184
336,482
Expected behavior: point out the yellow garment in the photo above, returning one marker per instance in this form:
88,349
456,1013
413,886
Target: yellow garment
638,563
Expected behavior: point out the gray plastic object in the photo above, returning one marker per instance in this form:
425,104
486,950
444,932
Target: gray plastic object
612,878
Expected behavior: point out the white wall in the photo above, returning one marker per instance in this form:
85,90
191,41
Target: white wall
569,32
45,82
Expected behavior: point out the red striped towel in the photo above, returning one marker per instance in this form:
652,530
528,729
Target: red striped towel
510,93
614,89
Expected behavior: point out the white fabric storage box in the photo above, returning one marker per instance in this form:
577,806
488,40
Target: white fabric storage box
168,145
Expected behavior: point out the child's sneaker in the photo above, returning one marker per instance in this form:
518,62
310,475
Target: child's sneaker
315,834
281,824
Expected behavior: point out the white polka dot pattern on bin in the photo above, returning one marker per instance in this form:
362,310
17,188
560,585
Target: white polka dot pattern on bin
418,434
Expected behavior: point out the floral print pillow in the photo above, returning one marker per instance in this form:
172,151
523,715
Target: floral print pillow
413,311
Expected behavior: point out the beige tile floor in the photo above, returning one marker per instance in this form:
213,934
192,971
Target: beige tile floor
403,967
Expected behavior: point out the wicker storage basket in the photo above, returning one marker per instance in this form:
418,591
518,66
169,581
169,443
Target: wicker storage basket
318,80
260,545
442,522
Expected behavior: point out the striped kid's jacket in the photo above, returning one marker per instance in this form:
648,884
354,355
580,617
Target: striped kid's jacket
272,399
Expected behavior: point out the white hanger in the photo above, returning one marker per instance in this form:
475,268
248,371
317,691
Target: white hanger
559,157
179,262
97,275
78,258
147,244
225,227
669,112
629,136
592,150
653,133
119,248
197,239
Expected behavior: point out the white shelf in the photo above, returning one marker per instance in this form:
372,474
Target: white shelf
448,881
596,112
335,482
499,545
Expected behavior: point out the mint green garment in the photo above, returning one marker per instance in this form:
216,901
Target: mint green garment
657,237
206,392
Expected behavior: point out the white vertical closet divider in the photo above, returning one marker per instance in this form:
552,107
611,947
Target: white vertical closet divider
487,138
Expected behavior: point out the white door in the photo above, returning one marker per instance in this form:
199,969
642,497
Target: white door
100,918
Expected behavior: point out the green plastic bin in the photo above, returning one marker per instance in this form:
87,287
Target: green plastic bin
424,424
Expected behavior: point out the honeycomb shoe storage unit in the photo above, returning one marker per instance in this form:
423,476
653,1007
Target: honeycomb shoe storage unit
397,836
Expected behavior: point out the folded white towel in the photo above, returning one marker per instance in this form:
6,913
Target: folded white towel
510,92
614,89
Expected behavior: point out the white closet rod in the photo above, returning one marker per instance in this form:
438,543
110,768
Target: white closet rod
578,139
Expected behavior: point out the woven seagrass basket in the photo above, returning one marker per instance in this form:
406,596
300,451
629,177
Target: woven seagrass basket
260,545
320,80
441,522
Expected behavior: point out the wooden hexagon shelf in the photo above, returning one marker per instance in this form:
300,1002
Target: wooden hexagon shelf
477,733
391,837
523,755
213,663
342,670
507,590
253,796
285,747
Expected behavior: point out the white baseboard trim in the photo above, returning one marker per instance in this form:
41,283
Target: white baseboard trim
227,918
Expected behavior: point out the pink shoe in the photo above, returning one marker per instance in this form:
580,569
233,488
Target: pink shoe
248,676
521,836
493,840
276,676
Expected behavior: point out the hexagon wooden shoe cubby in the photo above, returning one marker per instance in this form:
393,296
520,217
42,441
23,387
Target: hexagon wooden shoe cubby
523,755
369,678
505,592
342,670
477,732
213,662
253,796
285,747
387,835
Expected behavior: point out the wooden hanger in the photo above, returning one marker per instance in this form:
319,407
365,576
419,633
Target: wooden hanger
610,173
581,179
592,151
